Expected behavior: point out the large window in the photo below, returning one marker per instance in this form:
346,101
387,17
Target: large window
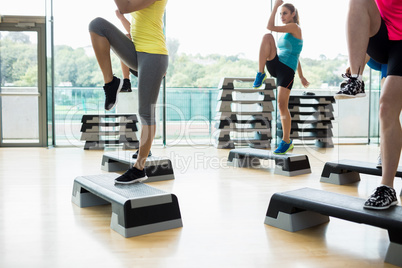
222,38
207,40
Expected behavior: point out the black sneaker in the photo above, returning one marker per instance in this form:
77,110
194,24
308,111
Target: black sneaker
383,198
346,77
135,155
132,175
350,88
126,86
112,89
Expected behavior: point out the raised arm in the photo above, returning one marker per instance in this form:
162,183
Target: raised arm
288,28
271,21
128,6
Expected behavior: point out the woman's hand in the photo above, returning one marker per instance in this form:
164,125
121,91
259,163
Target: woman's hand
304,82
278,3
348,71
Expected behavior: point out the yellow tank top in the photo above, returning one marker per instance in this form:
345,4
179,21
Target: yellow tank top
147,29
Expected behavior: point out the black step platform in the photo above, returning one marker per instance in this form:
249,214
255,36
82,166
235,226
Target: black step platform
156,168
304,208
99,130
98,118
240,109
137,209
100,145
287,164
348,171
229,83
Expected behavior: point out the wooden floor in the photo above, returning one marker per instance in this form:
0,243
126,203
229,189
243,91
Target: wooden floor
223,210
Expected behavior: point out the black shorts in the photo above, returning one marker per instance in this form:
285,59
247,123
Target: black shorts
283,73
386,51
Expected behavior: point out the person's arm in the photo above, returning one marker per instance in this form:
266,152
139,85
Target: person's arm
303,80
128,6
288,28
124,21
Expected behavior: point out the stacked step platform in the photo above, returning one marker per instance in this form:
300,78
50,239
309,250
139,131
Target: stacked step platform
244,114
312,117
99,130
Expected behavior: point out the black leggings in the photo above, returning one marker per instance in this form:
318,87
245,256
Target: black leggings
386,51
283,73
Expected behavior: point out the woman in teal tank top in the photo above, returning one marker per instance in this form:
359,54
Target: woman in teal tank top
282,63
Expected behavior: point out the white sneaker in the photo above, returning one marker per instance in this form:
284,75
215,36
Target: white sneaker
379,162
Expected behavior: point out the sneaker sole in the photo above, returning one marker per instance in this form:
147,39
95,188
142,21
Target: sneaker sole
360,95
117,94
290,148
343,96
382,208
133,181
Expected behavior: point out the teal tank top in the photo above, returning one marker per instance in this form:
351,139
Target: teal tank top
289,48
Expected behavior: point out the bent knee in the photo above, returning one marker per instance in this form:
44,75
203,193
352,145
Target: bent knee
268,37
96,25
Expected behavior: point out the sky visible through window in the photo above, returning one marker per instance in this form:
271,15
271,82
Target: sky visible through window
227,27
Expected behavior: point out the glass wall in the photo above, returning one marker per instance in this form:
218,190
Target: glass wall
51,139
19,87
22,76
218,39
224,41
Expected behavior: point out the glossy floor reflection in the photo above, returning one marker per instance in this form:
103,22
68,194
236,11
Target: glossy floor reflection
223,210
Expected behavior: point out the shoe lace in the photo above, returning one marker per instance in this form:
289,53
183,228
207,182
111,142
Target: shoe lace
346,76
352,84
383,192
281,145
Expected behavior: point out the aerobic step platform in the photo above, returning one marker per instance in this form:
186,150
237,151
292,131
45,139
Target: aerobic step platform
304,208
229,83
156,168
287,164
137,208
348,171
99,130
244,113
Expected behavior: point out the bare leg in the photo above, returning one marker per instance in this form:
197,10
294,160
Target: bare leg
101,47
363,22
147,137
125,70
391,132
283,105
267,51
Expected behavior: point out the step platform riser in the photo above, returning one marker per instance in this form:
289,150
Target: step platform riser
286,165
137,209
304,208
